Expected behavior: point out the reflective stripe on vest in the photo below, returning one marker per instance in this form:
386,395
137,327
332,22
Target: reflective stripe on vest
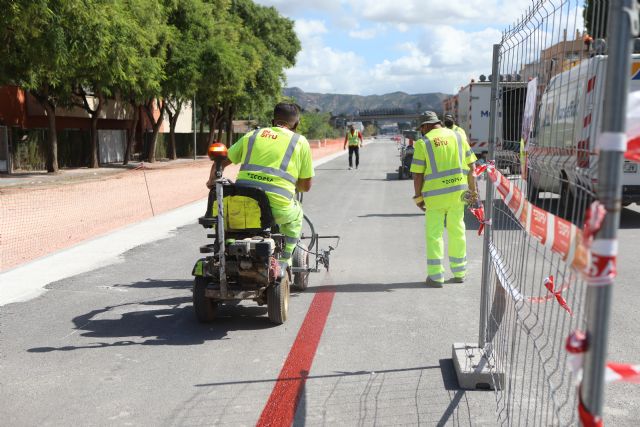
431,177
266,187
270,171
432,160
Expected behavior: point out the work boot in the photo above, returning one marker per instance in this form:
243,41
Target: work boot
457,280
432,283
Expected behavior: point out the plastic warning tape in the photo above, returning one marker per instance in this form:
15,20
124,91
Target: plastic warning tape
557,234
577,345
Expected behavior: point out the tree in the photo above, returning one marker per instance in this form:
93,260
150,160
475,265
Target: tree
39,57
595,14
192,23
117,49
277,45
147,71
315,125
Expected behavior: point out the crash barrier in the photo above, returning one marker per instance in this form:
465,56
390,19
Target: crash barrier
550,242
38,220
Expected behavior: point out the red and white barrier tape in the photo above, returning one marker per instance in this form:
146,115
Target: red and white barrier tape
550,285
596,258
593,222
478,212
576,345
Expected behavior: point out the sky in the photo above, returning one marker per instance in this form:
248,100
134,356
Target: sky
367,47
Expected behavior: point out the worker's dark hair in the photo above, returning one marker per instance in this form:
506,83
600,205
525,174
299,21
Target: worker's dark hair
286,113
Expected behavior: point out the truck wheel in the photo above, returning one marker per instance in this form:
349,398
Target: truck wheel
278,301
205,308
532,191
300,259
567,201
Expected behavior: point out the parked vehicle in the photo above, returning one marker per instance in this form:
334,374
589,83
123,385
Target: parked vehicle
472,108
562,154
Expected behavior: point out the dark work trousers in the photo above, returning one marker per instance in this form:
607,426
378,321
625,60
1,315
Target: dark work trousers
354,149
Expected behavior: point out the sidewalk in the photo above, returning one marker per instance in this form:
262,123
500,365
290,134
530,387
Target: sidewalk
41,214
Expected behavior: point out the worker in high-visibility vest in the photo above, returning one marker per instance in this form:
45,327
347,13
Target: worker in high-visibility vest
450,122
278,161
354,139
442,176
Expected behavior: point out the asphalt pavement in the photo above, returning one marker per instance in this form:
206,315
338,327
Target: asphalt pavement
120,345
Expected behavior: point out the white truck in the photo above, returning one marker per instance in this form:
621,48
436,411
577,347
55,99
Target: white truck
474,111
473,114
562,154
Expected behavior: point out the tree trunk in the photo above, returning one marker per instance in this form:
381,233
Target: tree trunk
93,158
173,121
220,126
94,114
202,119
52,136
213,114
131,137
151,152
230,113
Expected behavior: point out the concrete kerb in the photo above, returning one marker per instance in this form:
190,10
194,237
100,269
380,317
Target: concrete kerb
28,280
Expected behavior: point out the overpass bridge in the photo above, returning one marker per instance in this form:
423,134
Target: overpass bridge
405,117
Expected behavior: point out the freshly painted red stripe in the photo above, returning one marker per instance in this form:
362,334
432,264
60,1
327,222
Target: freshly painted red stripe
281,406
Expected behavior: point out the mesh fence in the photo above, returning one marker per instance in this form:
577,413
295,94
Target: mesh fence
40,219
549,108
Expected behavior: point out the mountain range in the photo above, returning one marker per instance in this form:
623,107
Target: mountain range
348,104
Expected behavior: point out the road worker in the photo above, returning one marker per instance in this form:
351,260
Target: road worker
354,139
277,160
442,176
450,122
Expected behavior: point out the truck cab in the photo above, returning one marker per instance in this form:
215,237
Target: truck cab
562,155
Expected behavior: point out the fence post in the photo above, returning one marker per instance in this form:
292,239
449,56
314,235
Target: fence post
472,362
612,144
488,206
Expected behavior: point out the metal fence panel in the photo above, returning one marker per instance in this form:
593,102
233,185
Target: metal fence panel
554,84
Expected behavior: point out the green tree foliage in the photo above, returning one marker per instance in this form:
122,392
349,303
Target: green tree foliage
38,55
315,125
595,14
146,55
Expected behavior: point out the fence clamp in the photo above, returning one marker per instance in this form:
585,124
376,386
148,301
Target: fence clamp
634,18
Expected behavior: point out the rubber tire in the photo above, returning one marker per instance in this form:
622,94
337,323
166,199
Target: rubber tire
533,193
300,259
204,308
401,172
278,301
567,200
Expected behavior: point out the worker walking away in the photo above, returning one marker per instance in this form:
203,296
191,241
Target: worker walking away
442,177
354,139
450,122
277,160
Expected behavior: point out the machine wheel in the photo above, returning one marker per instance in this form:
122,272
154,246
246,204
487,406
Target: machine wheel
300,259
205,308
278,301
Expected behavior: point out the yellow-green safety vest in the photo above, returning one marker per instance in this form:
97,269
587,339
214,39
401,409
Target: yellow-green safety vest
457,128
353,138
266,163
445,173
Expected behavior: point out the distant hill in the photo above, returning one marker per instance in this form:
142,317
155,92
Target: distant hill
348,104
